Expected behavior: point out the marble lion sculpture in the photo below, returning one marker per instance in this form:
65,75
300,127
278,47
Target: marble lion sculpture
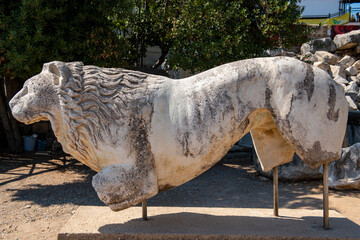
144,133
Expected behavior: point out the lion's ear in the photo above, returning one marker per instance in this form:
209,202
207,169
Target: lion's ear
59,69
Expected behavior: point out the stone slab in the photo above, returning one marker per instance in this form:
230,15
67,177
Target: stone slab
205,223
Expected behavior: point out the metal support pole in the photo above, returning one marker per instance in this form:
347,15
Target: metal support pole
326,195
276,191
144,210
349,13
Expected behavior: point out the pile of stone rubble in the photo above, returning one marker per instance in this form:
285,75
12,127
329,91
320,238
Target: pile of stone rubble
341,59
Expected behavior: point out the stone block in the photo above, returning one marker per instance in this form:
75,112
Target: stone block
309,57
352,90
347,61
351,71
347,40
357,49
345,172
319,44
341,80
326,57
337,71
323,65
352,79
293,171
357,65
351,104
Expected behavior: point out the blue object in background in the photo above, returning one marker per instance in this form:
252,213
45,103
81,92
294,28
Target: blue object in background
29,143
40,145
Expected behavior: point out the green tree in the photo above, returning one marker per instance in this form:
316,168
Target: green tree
149,23
200,34
33,32
210,33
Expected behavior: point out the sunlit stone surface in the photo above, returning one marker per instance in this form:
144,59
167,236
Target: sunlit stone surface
145,133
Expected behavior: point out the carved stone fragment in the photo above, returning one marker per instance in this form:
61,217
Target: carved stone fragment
145,133
345,172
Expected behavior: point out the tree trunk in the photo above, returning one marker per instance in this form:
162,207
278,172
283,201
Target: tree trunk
161,59
16,132
6,124
10,125
12,87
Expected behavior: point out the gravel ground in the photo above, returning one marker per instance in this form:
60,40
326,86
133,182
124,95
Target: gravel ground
39,193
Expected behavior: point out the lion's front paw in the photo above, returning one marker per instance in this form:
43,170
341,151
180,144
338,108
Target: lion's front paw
120,188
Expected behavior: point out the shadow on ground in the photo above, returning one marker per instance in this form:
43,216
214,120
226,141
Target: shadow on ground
196,223
233,184
10,163
78,193
18,171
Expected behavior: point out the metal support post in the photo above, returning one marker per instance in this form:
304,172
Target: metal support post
144,210
276,191
326,195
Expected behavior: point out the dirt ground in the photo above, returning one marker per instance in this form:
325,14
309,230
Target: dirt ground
39,193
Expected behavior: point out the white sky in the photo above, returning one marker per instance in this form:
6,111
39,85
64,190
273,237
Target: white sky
320,7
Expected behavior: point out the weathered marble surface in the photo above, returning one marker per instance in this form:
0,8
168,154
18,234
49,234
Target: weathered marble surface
345,172
146,133
294,171
320,44
347,40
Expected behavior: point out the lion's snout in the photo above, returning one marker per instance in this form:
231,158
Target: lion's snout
15,100
15,108
12,104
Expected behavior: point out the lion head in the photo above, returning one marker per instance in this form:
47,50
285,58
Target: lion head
85,104
38,100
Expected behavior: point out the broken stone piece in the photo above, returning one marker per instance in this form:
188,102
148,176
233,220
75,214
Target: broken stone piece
323,65
144,133
341,80
351,104
352,79
337,71
309,57
293,171
347,40
351,71
357,49
326,57
347,61
320,44
352,90
357,65
345,172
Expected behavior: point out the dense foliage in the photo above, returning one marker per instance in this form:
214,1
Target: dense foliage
38,31
146,23
210,33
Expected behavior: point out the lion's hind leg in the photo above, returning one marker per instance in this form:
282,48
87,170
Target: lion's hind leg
271,147
121,187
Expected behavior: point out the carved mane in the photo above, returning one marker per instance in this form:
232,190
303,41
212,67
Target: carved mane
93,99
